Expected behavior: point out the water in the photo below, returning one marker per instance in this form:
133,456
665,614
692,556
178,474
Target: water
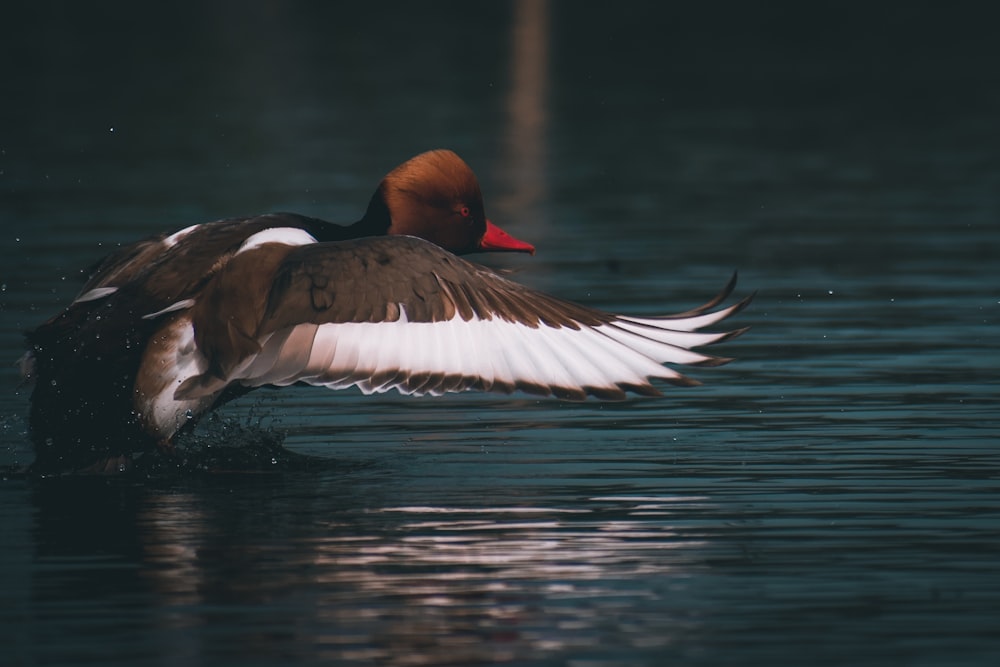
832,496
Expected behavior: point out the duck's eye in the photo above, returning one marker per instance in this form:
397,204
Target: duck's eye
465,211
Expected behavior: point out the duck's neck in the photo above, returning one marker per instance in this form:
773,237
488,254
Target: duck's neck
376,221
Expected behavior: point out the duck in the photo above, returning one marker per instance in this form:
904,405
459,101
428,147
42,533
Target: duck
169,328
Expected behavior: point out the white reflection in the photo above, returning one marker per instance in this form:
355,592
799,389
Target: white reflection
493,572
423,584
175,524
525,148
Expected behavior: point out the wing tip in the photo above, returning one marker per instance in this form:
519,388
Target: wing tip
729,335
713,302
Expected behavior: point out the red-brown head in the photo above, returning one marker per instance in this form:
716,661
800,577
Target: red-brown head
436,196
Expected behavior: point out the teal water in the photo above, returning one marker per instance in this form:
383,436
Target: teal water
832,496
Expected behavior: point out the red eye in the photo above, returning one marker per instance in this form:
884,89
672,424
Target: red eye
465,211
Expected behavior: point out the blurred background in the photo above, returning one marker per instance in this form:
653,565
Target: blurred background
833,493
648,124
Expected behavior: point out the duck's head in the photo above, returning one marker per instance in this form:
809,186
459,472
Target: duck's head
436,196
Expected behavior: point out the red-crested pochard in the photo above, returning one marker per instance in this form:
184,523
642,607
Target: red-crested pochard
169,328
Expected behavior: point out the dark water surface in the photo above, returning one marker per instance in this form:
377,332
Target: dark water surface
831,498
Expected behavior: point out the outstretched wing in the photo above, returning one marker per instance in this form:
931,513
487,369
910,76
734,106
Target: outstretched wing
400,313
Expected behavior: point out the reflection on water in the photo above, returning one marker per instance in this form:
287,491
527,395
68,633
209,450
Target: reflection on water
394,584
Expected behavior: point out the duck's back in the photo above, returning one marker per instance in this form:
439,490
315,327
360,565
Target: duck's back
84,360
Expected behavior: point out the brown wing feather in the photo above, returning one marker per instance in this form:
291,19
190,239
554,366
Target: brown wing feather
366,279
275,288
163,274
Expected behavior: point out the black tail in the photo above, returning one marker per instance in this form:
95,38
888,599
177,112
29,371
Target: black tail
84,377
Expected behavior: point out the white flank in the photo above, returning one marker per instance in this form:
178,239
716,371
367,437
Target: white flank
283,235
179,358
